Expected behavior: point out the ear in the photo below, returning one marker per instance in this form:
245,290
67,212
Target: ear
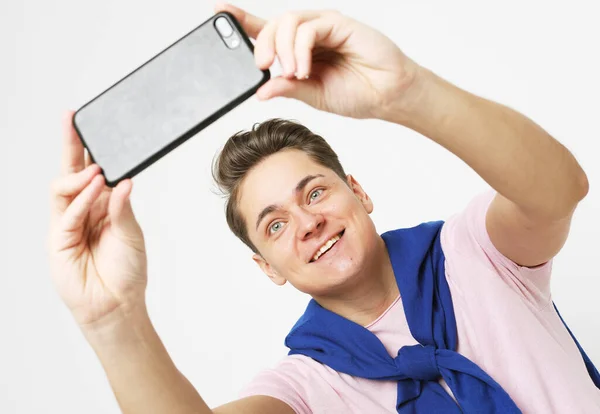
268,270
360,194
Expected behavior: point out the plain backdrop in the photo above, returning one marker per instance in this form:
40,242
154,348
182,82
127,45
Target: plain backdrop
220,318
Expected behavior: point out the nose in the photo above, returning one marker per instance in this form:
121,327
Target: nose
309,223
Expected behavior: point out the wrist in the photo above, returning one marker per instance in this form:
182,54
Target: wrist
140,371
126,324
425,104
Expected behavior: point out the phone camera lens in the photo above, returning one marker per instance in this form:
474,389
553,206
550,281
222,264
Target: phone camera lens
224,27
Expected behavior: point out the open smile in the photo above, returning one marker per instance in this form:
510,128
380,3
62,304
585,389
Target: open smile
328,248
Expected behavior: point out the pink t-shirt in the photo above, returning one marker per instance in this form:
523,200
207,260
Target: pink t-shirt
506,324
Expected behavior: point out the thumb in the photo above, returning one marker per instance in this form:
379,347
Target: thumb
305,90
120,211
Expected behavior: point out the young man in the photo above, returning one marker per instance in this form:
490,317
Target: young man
475,329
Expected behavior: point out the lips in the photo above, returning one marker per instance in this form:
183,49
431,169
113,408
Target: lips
320,252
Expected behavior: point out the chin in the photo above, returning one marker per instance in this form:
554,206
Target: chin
346,267
344,273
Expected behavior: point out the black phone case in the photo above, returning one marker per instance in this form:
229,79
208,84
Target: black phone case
167,100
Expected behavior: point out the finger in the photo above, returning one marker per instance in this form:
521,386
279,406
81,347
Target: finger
284,42
88,158
306,91
251,24
75,215
120,211
72,152
99,210
308,35
286,36
65,188
264,48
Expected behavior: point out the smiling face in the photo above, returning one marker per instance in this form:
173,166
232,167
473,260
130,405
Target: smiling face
310,227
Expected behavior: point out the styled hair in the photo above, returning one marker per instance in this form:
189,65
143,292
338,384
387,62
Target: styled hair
246,149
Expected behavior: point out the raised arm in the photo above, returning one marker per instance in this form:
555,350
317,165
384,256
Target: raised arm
339,65
98,265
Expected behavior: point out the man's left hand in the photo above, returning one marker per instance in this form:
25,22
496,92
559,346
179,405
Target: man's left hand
331,62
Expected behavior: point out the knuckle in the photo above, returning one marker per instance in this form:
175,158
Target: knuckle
290,18
55,186
266,33
333,15
305,36
333,12
306,29
271,26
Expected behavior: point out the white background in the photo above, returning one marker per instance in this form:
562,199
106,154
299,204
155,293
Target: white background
220,318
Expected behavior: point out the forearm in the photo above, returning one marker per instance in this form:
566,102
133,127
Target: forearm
509,151
141,373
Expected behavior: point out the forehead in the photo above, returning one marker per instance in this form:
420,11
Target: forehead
274,179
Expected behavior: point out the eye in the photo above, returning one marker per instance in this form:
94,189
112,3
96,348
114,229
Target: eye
315,194
275,227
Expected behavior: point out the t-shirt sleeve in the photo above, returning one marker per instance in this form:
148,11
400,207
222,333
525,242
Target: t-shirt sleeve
304,384
465,236
283,382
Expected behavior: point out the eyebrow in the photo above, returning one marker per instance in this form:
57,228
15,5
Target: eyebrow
299,188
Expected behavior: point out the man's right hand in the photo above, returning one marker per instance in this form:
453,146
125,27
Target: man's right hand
98,263
96,247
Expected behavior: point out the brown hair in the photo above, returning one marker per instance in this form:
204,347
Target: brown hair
246,149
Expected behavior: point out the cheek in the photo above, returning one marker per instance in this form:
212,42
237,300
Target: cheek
340,207
283,251
356,212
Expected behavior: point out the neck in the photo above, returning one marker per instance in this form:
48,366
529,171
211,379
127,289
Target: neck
371,294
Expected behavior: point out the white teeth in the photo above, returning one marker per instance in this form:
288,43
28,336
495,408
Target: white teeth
326,246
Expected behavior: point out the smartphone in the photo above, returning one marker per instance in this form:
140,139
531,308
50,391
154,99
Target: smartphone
170,98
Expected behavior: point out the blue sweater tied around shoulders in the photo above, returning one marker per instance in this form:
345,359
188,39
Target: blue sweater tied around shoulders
418,264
